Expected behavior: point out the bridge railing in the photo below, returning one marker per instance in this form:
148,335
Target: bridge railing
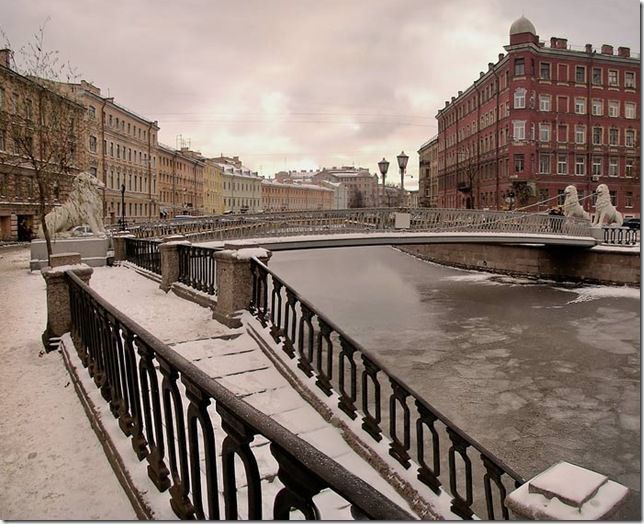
197,268
443,456
621,236
361,220
144,253
194,433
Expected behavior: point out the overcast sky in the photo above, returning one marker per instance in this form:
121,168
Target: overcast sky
300,84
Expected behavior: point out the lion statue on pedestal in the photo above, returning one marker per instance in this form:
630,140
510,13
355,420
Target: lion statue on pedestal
83,206
571,206
606,211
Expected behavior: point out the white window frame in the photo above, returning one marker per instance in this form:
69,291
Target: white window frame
580,106
613,108
520,98
613,166
601,136
597,166
630,110
544,103
544,159
597,107
544,132
580,165
562,161
629,137
518,130
580,134
629,163
616,78
613,132
629,80
585,76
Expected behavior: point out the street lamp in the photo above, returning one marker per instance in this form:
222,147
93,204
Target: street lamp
402,164
122,207
383,165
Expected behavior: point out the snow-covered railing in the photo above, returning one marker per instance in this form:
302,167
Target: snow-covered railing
621,236
369,391
361,220
197,268
172,412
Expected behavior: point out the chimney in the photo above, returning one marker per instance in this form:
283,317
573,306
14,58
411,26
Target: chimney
589,48
624,52
5,58
607,49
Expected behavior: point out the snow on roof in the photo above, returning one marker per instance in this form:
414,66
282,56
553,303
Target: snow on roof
295,185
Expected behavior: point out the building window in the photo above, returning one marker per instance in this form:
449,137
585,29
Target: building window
580,134
519,67
628,199
545,71
580,165
612,78
118,151
613,198
561,197
544,102
562,104
92,144
562,133
597,136
580,106
597,76
612,166
111,149
580,74
598,107
518,131
519,98
629,80
629,110
597,166
613,136
629,138
518,163
91,110
544,132
613,108
111,121
544,163
628,166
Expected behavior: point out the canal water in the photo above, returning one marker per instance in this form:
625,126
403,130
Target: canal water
536,371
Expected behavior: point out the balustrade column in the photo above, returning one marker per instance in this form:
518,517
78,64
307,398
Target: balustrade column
170,263
118,244
59,318
235,280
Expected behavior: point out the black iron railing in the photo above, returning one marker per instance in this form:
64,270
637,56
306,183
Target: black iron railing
144,253
188,427
384,402
197,268
621,236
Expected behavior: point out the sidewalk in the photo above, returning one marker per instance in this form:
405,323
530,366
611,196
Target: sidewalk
53,465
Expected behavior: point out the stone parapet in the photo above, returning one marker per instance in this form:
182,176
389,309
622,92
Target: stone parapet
170,262
118,243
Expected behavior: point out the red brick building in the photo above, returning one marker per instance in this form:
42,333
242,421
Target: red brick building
540,118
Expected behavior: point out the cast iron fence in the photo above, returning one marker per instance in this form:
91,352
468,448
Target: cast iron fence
197,268
173,413
363,220
144,253
341,366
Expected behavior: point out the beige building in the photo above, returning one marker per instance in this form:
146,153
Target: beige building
20,99
213,189
428,173
181,181
283,196
121,147
242,188
361,186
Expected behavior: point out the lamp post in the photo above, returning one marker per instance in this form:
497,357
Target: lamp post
383,165
122,207
402,164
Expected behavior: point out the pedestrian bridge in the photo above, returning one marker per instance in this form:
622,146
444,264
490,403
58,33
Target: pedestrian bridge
362,227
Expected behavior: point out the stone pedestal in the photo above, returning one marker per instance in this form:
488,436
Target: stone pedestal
567,492
118,243
170,262
235,281
93,250
58,308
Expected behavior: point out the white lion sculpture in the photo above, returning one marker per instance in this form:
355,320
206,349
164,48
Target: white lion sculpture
606,211
83,206
571,206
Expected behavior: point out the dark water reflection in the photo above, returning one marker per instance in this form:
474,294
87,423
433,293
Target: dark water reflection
536,372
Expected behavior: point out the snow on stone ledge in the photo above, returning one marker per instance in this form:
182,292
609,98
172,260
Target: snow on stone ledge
247,253
62,269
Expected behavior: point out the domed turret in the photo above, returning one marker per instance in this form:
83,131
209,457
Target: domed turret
522,25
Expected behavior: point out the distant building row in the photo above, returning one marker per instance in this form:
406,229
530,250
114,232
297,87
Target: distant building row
540,118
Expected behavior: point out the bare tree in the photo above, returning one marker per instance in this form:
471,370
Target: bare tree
40,125
467,176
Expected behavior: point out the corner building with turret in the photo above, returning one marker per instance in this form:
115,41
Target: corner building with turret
542,117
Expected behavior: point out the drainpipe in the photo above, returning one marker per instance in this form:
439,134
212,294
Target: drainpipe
496,135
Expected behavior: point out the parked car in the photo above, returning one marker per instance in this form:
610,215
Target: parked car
82,231
632,223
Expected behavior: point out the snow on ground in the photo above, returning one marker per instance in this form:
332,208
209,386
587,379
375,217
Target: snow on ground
53,466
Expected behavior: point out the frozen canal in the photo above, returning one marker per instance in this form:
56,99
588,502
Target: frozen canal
536,372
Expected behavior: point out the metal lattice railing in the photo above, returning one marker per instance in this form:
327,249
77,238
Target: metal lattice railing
144,253
194,433
443,456
197,268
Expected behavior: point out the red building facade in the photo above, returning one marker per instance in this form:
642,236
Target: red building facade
541,118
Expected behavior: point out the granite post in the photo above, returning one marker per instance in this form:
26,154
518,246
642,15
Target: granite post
58,308
118,243
170,262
